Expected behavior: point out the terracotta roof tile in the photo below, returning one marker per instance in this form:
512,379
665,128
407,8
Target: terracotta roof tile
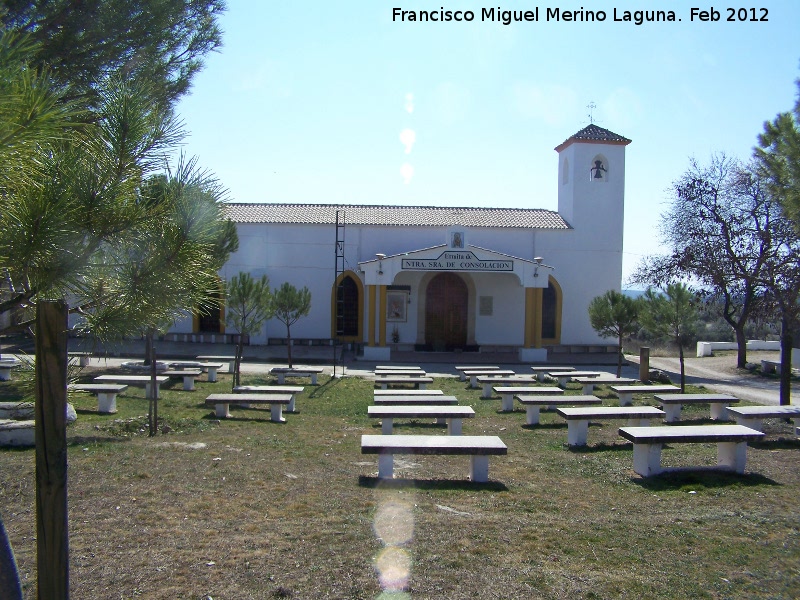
593,133
395,215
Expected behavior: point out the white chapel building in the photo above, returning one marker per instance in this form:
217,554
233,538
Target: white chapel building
442,278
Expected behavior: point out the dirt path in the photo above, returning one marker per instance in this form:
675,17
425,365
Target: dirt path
720,373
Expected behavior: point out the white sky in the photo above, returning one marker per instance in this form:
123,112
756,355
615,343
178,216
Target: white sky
333,102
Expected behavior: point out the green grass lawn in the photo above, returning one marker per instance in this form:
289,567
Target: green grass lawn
248,508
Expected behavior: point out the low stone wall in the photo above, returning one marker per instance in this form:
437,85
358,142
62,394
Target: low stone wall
707,348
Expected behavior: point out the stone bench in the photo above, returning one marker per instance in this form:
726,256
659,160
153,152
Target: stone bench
451,415
578,418
731,443
533,404
283,372
426,392
17,433
418,382
673,403
771,366
588,383
414,400
106,394
564,377
507,393
187,375
276,403
83,357
5,368
487,381
210,368
753,416
293,390
462,368
626,392
397,367
542,371
379,373
477,447
137,380
20,410
231,360
474,374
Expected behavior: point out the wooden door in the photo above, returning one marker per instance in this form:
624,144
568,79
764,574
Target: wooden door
446,302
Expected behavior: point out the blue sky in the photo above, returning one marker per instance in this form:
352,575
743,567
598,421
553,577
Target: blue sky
334,102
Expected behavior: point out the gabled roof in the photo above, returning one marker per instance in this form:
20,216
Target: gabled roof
594,135
397,216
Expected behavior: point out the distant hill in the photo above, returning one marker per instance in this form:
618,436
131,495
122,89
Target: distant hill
633,293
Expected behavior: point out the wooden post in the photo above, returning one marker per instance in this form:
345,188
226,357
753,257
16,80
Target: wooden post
644,364
52,538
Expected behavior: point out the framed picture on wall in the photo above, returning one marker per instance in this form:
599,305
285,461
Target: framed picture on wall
396,303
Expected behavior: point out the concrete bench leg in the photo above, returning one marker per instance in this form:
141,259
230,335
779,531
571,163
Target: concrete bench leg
507,402
313,379
638,422
672,413
647,459
106,402
83,361
757,424
147,390
188,384
796,427
626,398
588,389
473,381
532,415
454,426
5,374
487,390
719,412
385,466
212,374
479,467
222,410
290,406
281,378
577,432
732,455
387,425
276,413
422,385
384,386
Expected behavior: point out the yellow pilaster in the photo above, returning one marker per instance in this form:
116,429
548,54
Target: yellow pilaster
533,317
382,316
537,317
371,316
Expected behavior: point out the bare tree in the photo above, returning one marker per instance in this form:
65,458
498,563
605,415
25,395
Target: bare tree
719,227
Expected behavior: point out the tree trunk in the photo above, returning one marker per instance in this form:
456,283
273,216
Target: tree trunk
153,422
683,369
289,345
741,348
148,347
786,362
237,360
619,357
52,537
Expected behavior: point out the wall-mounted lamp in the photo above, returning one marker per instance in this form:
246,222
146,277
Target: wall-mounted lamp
380,263
538,260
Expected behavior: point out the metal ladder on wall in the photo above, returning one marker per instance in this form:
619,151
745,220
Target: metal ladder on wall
339,305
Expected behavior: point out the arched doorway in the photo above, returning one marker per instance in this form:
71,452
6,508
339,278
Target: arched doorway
347,308
446,302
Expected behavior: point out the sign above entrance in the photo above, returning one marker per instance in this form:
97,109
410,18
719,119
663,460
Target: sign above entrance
456,261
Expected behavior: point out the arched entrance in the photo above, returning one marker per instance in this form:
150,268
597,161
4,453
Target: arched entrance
446,302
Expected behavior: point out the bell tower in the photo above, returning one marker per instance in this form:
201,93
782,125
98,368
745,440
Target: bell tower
591,186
